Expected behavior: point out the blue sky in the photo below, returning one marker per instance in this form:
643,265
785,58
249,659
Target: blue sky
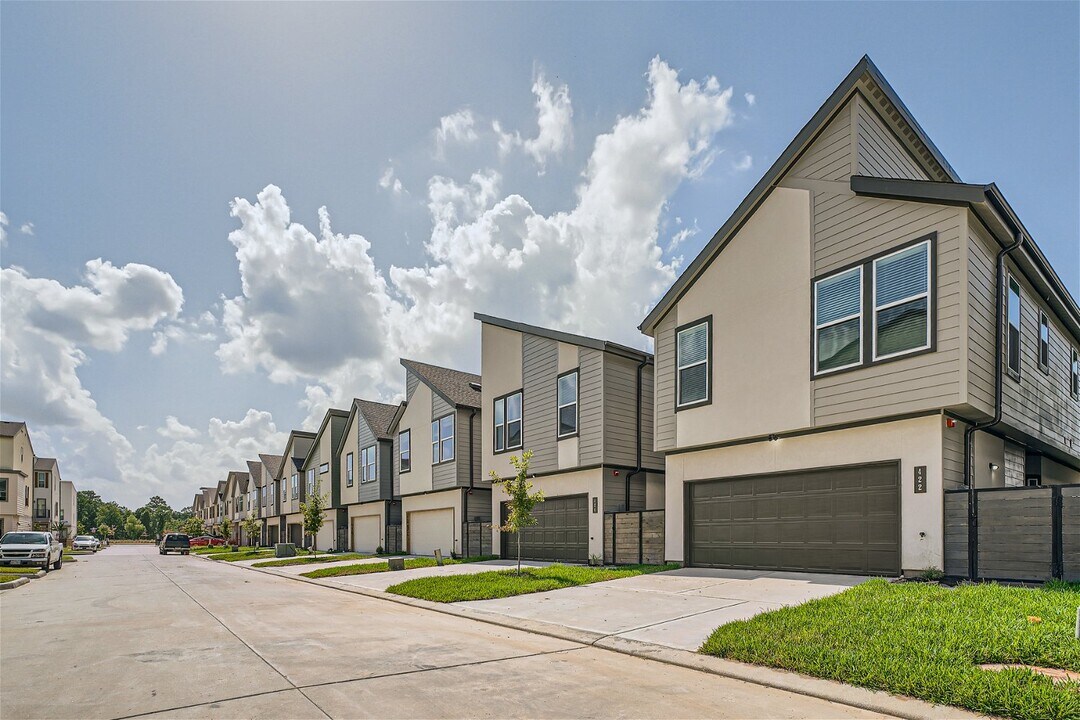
128,129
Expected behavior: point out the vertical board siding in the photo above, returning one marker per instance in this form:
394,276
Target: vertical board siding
591,409
880,152
539,370
852,230
444,475
981,283
1040,404
664,391
620,411
829,156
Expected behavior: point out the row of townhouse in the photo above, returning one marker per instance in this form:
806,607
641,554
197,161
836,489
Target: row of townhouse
33,496
865,335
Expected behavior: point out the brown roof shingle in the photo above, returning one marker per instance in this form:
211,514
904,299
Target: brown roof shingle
378,416
454,385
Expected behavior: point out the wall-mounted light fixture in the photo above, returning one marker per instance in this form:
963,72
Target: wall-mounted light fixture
993,467
773,437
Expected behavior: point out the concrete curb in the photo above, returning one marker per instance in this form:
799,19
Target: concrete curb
832,691
14,583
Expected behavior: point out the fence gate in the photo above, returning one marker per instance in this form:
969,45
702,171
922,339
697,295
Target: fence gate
1013,533
476,539
634,537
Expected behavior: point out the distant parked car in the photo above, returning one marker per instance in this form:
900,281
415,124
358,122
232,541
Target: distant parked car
31,548
205,540
86,542
175,542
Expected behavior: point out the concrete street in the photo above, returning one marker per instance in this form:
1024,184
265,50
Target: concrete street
130,633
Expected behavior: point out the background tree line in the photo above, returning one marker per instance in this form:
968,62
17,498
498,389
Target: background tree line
112,520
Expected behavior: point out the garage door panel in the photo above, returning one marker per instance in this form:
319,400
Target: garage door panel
834,520
561,532
431,530
366,533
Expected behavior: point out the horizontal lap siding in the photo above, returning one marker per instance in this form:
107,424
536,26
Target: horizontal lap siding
880,153
830,155
1070,536
664,410
369,491
620,413
1015,536
981,331
953,457
444,476
956,534
591,401
539,369
1040,404
851,229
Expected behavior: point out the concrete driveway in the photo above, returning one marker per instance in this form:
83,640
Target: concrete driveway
678,608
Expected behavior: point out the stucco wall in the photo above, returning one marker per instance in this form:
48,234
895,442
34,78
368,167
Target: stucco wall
417,419
913,442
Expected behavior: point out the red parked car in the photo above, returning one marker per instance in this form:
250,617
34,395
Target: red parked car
204,540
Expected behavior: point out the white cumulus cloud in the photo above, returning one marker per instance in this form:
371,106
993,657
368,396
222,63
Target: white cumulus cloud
458,127
27,228
743,164
176,430
554,115
388,181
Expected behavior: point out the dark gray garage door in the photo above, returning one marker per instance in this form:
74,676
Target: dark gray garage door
562,532
840,520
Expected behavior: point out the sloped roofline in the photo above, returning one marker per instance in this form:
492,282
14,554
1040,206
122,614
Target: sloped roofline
757,195
332,412
565,337
411,366
354,412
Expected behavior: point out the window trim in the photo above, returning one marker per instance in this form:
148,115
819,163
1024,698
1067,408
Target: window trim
860,315
349,466
1074,375
309,483
453,438
1018,372
866,328
707,400
1044,322
4,487
371,451
577,403
502,398
401,468
324,468
295,486
874,309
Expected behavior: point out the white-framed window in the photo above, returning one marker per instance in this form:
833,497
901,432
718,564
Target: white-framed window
405,451
349,470
838,321
295,486
1044,343
567,400
508,424
324,468
692,357
42,480
367,464
902,301
442,439
1013,340
310,482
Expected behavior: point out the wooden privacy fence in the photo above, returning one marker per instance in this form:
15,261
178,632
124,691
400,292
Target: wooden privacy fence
634,537
1021,533
476,538
393,540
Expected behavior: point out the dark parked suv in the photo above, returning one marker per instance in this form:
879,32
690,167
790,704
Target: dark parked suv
175,542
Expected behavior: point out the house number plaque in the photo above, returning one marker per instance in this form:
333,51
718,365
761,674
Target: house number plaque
920,478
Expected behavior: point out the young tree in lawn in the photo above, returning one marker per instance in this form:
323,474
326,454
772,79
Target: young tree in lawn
312,510
251,527
225,528
521,499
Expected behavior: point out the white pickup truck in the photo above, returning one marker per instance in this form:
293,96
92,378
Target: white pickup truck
31,548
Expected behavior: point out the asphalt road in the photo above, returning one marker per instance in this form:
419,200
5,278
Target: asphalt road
128,633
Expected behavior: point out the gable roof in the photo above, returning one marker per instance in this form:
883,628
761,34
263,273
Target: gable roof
864,72
44,464
289,444
565,337
10,428
255,471
379,416
453,386
272,463
331,413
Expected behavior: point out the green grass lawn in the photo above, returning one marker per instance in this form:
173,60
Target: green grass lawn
925,641
248,554
8,577
410,564
308,560
214,549
506,583
18,569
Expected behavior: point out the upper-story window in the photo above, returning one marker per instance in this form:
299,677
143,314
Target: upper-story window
1074,375
1044,343
349,470
367,464
1013,339
405,451
42,479
324,468
692,360
508,422
295,486
310,482
3,490
442,439
568,404
902,301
